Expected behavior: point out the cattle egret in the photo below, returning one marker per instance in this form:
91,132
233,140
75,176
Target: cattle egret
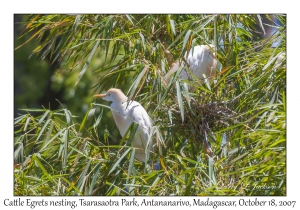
125,113
201,60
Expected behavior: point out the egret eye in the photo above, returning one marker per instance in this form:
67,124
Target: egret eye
108,94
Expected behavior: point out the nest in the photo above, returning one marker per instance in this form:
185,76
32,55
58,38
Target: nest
215,115
203,118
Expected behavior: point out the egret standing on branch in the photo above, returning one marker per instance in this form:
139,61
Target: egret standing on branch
127,112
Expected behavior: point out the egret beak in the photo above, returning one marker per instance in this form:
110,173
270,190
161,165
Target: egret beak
99,95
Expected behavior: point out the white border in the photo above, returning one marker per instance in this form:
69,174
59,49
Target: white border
8,9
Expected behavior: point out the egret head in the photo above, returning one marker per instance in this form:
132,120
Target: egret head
114,95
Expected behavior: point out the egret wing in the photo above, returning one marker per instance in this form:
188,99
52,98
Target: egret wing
139,115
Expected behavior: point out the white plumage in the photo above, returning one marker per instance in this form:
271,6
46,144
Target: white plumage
125,114
201,60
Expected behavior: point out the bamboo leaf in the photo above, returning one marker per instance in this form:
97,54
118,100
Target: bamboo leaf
54,137
261,24
172,23
211,171
76,22
169,87
94,179
19,152
19,119
136,82
66,145
180,102
84,120
270,61
43,128
119,160
27,123
185,40
87,63
98,119
49,131
41,166
43,117
187,94
130,167
163,165
129,18
170,116
28,40
189,183
68,116
82,177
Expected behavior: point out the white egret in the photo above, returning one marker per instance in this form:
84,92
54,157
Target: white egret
201,60
125,113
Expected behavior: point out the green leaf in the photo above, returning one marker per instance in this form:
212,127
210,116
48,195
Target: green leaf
270,61
119,161
136,82
68,116
98,119
87,63
172,23
33,110
18,153
261,24
27,122
143,41
168,88
133,128
170,116
211,171
185,40
66,145
84,120
189,182
180,102
49,131
54,137
94,179
41,166
43,128
43,117
76,22
129,18
19,119
81,180
187,94
130,167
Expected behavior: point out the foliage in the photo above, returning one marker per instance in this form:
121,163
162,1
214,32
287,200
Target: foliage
240,118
